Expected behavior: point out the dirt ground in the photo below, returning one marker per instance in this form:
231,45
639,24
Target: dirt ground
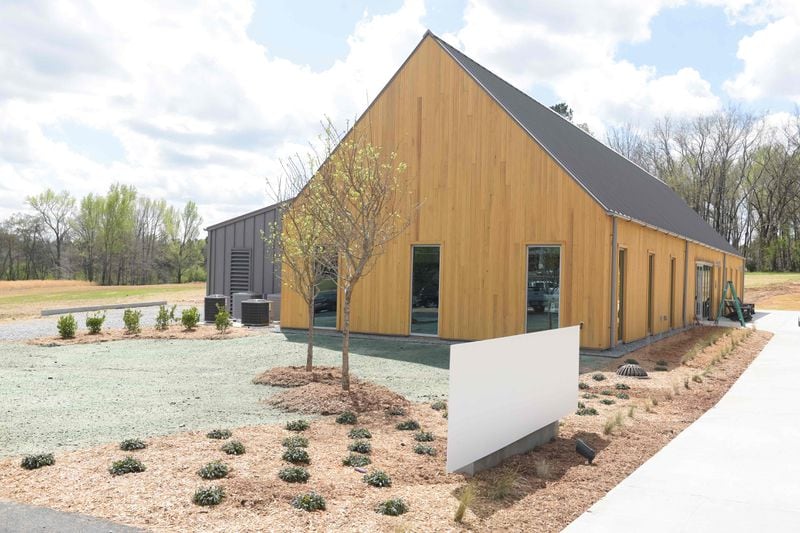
26,299
779,297
203,331
543,490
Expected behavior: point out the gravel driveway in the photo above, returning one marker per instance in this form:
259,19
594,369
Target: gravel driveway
67,397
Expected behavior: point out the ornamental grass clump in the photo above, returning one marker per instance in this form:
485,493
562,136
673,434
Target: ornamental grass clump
295,441
213,470
296,456
130,445
219,434
408,425
378,478
67,326
297,425
424,436
359,433
310,501
233,447
393,507
32,462
129,465
294,474
356,460
360,446
347,417
206,496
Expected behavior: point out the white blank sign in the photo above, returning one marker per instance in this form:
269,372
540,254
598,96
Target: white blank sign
502,390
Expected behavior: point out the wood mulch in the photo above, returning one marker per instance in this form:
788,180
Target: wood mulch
201,332
543,490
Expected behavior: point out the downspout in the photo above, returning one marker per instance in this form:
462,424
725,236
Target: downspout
612,335
685,278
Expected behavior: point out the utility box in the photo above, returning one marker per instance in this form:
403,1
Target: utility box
238,298
255,312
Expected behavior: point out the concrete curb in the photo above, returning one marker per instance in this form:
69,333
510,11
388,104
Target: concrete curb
65,310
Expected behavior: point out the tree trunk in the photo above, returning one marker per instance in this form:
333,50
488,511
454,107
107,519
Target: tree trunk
346,341
310,352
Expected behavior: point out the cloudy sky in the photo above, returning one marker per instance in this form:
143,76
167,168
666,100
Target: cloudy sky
198,100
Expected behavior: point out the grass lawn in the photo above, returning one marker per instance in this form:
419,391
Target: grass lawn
753,280
773,290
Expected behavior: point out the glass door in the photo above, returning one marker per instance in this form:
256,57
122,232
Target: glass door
425,290
543,288
621,295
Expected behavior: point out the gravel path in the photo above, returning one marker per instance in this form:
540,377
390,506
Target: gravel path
66,397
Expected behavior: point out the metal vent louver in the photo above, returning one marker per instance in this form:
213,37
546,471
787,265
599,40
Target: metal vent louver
240,273
632,371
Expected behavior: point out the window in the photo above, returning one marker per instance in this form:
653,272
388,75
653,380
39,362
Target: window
621,295
651,267
425,290
325,303
543,288
672,293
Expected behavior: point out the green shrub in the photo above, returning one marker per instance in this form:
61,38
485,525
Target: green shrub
295,441
129,465
424,436
165,317
348,417
310,502
209,495
94,323
32,462
586,411
219,434
607,401
424,449
190,318
582,385
621,386
297,425
631,362
296,456
606,393
356,460
581,405
393,507
598,377
131,320
408,425
623,396
396,410
662,362
213,470
223,319
438,405
359,433
588,396
294,474
378,478
661,368
360,446
130,445
67,326
233,447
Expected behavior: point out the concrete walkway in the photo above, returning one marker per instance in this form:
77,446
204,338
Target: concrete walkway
18,518
736,469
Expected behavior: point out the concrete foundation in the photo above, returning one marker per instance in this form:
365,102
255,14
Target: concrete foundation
525,444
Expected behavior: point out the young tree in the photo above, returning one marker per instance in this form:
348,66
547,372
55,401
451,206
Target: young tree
183,229
87,226
356,199
55,211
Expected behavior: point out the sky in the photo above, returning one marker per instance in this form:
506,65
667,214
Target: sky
201,100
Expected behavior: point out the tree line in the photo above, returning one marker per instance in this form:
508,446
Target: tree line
118,238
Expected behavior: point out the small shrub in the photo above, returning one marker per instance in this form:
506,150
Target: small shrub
359,433
623,396
607,401
660,368
543,469
213,470
662,362
606,393
393,507
297,425
586,411
294,474
356,460
581,405
631,362
588,396
408,425
347,417
164,317
131,320
598,377
360,446
697,379
396,410
438,405
32,462
219,434
295,441
378,478
464,502
233,447
94,323
223,319
444,415
424,436
130,445
424,449
654,401
190,318
310,502
67,326
209,495
582,385
296,456
622,386
129,465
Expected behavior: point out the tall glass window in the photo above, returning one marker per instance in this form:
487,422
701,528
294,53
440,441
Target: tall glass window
325,303
425,290
543,297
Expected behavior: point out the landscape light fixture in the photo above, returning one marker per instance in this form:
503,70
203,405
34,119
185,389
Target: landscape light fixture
585,450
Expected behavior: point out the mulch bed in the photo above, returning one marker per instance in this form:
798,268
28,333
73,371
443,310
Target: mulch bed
201,332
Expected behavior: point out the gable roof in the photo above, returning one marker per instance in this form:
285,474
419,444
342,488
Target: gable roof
620,186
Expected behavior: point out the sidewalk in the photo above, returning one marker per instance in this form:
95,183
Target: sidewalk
737,468
18,518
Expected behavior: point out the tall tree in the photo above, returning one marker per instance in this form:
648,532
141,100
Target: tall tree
87,227
184,229
55,210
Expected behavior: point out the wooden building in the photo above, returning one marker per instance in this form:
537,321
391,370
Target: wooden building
526,222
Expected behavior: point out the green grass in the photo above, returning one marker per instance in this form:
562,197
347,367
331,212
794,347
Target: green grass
754,280
92,293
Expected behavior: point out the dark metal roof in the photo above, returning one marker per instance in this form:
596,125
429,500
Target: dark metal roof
619,185
242,217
